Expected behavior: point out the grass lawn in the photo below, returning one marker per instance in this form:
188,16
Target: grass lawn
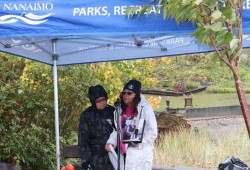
201,100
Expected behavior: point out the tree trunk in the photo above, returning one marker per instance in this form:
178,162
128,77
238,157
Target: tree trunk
242,99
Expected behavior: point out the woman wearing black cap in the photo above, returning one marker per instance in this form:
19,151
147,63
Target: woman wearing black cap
134,107
96,124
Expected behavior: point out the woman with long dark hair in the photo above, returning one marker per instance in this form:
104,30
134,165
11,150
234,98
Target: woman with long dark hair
134,107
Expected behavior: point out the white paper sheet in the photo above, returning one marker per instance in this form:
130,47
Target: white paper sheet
113,157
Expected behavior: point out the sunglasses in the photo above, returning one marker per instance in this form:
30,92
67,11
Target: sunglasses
101,100
128,93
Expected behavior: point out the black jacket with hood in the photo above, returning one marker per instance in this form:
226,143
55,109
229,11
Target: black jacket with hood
94,130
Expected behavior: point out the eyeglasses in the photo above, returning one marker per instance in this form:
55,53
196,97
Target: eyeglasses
127,92
101,100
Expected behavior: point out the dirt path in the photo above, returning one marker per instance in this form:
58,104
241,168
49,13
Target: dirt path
220,127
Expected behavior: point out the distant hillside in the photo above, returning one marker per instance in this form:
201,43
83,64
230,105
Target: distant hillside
193,71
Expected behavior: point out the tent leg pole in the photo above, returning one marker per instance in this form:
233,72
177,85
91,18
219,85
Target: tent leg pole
56,116
55,58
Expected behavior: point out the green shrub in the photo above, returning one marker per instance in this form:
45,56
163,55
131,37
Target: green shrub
26,130
31,148
215,89
192,85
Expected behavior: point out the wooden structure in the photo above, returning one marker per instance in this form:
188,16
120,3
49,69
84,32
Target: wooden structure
70,151
188,101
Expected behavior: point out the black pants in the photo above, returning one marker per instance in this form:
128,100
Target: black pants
101,163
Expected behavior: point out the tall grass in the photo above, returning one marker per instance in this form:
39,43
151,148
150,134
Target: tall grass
192,148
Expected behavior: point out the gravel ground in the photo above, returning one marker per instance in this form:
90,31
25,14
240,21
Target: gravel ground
220,127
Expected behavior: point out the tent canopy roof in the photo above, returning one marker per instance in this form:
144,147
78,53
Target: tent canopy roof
92,31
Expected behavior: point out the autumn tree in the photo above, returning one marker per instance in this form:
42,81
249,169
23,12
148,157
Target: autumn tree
219,25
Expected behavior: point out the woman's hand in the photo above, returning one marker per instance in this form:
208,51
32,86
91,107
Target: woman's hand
134,144
107,147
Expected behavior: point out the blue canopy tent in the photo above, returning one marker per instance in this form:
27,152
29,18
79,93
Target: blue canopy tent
61,33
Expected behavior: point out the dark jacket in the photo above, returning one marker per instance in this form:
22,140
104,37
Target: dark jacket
94,130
